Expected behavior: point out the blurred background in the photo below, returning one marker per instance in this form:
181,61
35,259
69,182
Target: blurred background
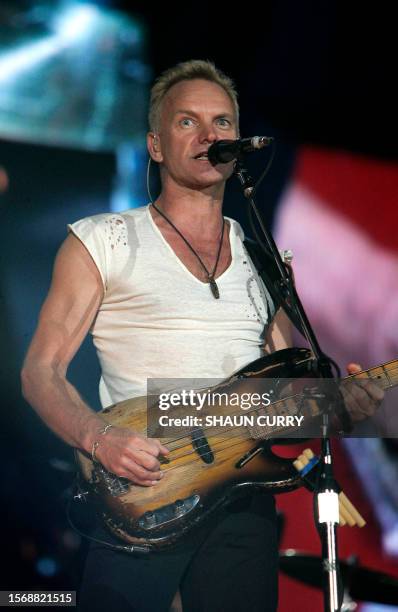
320,78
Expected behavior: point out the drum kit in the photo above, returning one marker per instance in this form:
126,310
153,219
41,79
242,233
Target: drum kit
360,583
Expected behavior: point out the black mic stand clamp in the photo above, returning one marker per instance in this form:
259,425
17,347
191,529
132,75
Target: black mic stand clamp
244,178
326,500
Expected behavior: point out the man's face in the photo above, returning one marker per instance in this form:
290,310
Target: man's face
195,114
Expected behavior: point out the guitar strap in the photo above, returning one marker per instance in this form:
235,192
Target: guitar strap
269,273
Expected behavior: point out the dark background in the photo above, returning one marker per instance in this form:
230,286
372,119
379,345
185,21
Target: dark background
319,72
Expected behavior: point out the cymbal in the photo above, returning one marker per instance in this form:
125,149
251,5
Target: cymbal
361,583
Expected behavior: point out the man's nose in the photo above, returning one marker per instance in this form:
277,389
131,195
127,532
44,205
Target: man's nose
208,133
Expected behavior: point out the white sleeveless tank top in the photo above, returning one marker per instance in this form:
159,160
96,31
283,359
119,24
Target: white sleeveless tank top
157,320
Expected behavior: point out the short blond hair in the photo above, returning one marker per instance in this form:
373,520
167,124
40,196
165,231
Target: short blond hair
187,71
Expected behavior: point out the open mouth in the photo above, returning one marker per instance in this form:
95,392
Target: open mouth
202,156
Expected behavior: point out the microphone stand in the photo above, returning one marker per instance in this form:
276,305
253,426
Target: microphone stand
326,498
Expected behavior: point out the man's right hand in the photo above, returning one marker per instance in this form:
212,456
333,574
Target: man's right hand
131,455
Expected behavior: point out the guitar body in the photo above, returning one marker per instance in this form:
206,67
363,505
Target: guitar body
195,484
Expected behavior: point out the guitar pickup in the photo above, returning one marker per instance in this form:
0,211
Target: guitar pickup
201,445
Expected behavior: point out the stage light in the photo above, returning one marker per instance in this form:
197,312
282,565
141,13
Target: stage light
70,26
89,57
76,22
13,62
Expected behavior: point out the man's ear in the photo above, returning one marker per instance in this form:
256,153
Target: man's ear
154,148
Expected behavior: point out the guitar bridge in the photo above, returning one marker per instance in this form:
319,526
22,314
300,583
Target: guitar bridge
167,514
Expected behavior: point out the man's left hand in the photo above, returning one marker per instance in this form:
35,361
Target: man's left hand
362,396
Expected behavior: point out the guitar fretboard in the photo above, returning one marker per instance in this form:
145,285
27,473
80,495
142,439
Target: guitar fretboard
384,375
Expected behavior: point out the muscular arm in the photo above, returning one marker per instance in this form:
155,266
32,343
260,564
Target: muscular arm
65,318
70,308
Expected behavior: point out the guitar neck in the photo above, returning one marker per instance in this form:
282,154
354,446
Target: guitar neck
385,376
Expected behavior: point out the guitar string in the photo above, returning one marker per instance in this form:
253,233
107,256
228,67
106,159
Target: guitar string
217,450
276,403
195,459
232,414
193,451
256,409
376,378
213,450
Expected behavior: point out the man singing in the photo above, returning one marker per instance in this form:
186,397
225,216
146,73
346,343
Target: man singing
167,291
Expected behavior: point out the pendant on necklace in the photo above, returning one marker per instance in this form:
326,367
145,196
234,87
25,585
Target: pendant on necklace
214,288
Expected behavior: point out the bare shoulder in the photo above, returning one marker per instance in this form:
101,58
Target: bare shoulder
76,279
73,256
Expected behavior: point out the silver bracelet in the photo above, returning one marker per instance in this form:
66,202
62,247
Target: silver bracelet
96,443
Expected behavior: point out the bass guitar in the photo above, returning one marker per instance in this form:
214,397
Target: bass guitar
206,466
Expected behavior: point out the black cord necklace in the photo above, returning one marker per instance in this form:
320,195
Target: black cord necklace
210,275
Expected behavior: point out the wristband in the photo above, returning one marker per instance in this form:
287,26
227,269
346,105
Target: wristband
96,443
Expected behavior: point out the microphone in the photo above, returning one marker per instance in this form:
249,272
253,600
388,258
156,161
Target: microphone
224,151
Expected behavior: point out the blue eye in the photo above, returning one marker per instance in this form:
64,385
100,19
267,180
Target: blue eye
224,122
186,122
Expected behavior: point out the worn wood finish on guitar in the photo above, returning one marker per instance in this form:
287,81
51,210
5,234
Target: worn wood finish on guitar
191,489
185,474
